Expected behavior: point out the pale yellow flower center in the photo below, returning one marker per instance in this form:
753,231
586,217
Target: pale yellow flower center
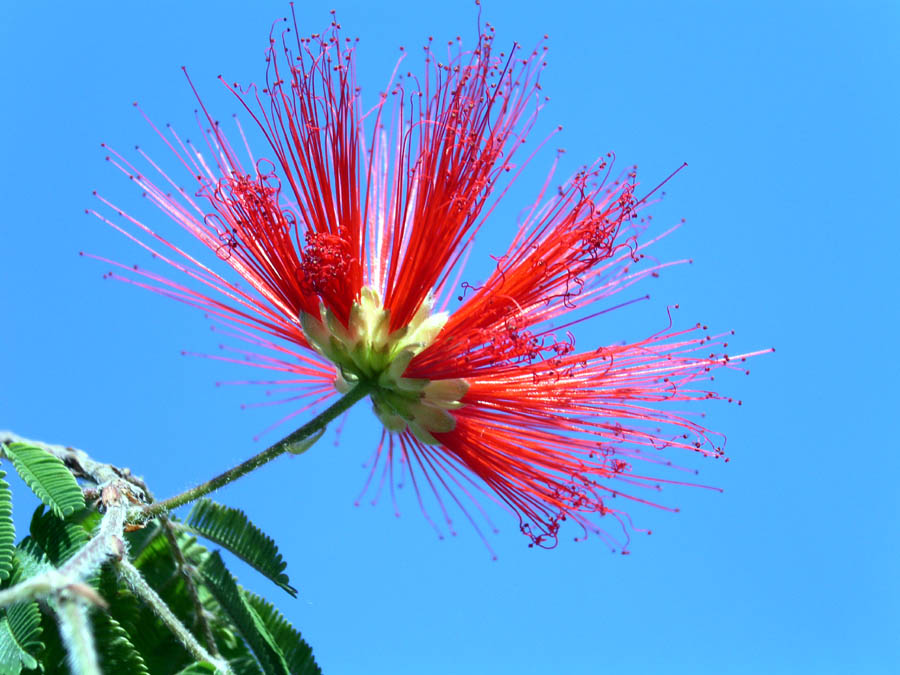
365,350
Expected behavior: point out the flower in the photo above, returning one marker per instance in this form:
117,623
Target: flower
354,242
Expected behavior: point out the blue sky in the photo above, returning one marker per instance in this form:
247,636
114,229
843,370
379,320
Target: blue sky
787,118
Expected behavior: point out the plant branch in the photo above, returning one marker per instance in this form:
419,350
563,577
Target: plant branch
108,542
297,441
80,463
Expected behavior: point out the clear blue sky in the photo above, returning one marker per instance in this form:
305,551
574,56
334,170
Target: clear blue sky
787,116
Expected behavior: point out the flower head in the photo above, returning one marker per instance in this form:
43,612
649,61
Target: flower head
353,240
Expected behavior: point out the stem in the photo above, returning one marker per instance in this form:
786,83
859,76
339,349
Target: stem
190,586
75,632
107,542
315,425
143,590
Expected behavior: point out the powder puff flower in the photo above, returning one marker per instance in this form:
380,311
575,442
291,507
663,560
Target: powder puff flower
350,242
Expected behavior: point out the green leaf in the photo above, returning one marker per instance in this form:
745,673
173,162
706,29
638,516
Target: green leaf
54,538
158,649
252,628
296,650
7,529
117,653
47,477
20,633
197,668
231,529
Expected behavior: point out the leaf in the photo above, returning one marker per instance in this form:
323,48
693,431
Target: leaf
53,537
228,594
47,477
117,653
296,650
158,649
7,529
231,529
197,668
20,633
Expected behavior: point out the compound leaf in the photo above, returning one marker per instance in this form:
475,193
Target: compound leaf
296,650
20,633
47,477
252,628
7,529
53,537
117,652
232,529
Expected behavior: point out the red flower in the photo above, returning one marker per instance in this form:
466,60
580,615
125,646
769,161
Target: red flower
353,245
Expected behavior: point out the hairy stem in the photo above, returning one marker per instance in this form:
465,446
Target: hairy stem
75,632
143,590
108,542
295,438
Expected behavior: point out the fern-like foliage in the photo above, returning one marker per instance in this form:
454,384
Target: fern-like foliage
20,630
53,538
252,628
117,653
20,633
241,628
7,529
47,477
296,650
232,529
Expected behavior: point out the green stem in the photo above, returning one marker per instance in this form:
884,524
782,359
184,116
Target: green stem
315,425
145,592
